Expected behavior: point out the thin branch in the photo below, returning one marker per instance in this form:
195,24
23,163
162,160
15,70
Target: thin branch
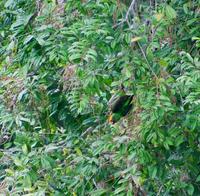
159,191
89,130
131,8
145,57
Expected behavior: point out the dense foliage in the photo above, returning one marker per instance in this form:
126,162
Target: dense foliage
59,65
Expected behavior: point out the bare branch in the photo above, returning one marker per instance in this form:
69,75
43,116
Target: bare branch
126,19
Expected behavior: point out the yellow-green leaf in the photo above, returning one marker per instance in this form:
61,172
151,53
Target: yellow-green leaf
78,151
135,39
25,149
158,16
163,63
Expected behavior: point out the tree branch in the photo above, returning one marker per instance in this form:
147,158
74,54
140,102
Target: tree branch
131,8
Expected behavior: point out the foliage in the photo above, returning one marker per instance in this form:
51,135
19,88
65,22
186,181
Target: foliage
59,66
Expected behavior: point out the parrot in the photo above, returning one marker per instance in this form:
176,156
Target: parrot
120,104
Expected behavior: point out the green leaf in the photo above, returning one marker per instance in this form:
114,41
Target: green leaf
185,8
163,63
190,189
25,149
98,192
17,161
120,189
28,39
170,12
179,140
11,45
21,94
45,162
78,151
75,56
198,178
9,3
152,171
40,41
27,181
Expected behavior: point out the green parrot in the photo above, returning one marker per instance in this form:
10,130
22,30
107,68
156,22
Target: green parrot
120,105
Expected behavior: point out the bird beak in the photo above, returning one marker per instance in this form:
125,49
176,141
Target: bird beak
110,119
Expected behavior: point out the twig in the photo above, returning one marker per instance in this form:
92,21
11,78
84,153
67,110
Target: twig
89,130
143,53
160,189
127,15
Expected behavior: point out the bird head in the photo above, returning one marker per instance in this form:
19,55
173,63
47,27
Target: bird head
113,118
